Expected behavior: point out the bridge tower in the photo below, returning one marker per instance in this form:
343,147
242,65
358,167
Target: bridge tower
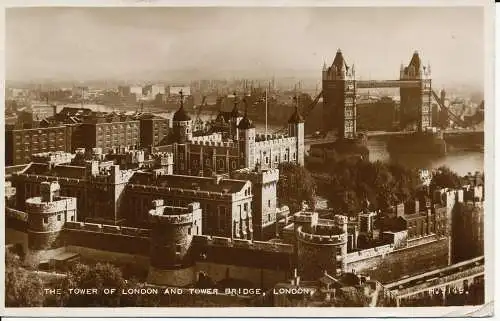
339,98
415,108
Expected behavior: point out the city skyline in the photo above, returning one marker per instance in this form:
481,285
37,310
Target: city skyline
108,43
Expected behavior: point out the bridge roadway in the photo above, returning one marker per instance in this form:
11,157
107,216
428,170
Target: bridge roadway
387,83
445,280
321,140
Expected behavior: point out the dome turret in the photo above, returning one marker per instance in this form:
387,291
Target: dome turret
180,114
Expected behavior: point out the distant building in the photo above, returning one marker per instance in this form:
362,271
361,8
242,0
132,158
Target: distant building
124,91
154,130
20,144
108,131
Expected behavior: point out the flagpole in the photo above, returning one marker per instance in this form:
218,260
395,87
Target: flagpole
266,113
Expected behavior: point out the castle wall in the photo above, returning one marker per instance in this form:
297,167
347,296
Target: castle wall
393,265
107,238
275,151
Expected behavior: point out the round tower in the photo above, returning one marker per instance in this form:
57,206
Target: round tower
47,215
296,129
322,247
182,124
172,232
246,141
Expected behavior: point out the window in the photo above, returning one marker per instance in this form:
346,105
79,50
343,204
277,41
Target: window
177,249
189,231
71,218
269,203
234,165
45,220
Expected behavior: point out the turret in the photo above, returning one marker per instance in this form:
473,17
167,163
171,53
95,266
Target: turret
181,123
172,231
246,140
296,129
46,217
235,119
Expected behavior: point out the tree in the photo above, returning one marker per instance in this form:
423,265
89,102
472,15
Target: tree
444,177
295,186
98,277
22,288
355,182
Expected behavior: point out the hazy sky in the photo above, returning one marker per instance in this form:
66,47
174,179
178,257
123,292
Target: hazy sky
90,43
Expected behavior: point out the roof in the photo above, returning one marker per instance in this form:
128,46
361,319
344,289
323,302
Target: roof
207,184
224,116
339,60
63,171
245,123
181,115
296,117
415,61
235,112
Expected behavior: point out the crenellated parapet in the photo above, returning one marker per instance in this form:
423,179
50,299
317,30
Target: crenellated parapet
214,137
35,205
228,144
174,215
324,238
107,229
275,143
206,240
266,176
175,191
369,253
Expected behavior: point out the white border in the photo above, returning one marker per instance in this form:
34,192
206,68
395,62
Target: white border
292,312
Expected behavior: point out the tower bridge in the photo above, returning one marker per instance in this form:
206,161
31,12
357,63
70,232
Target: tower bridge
340,87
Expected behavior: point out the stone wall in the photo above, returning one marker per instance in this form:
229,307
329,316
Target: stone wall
107,238
398,263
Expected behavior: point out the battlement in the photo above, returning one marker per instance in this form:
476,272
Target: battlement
112,175
369,253
228,144
44,178
180,192
172,214
15,214
54,158
325,238
60,203
258,177
215,137
278,142
207,240
107,229
306,217
260,137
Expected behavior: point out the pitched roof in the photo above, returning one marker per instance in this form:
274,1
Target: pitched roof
339,60
415,61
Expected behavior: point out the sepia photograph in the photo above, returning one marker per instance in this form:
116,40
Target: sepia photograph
302,156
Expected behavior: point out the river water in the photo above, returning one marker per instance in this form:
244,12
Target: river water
459,160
